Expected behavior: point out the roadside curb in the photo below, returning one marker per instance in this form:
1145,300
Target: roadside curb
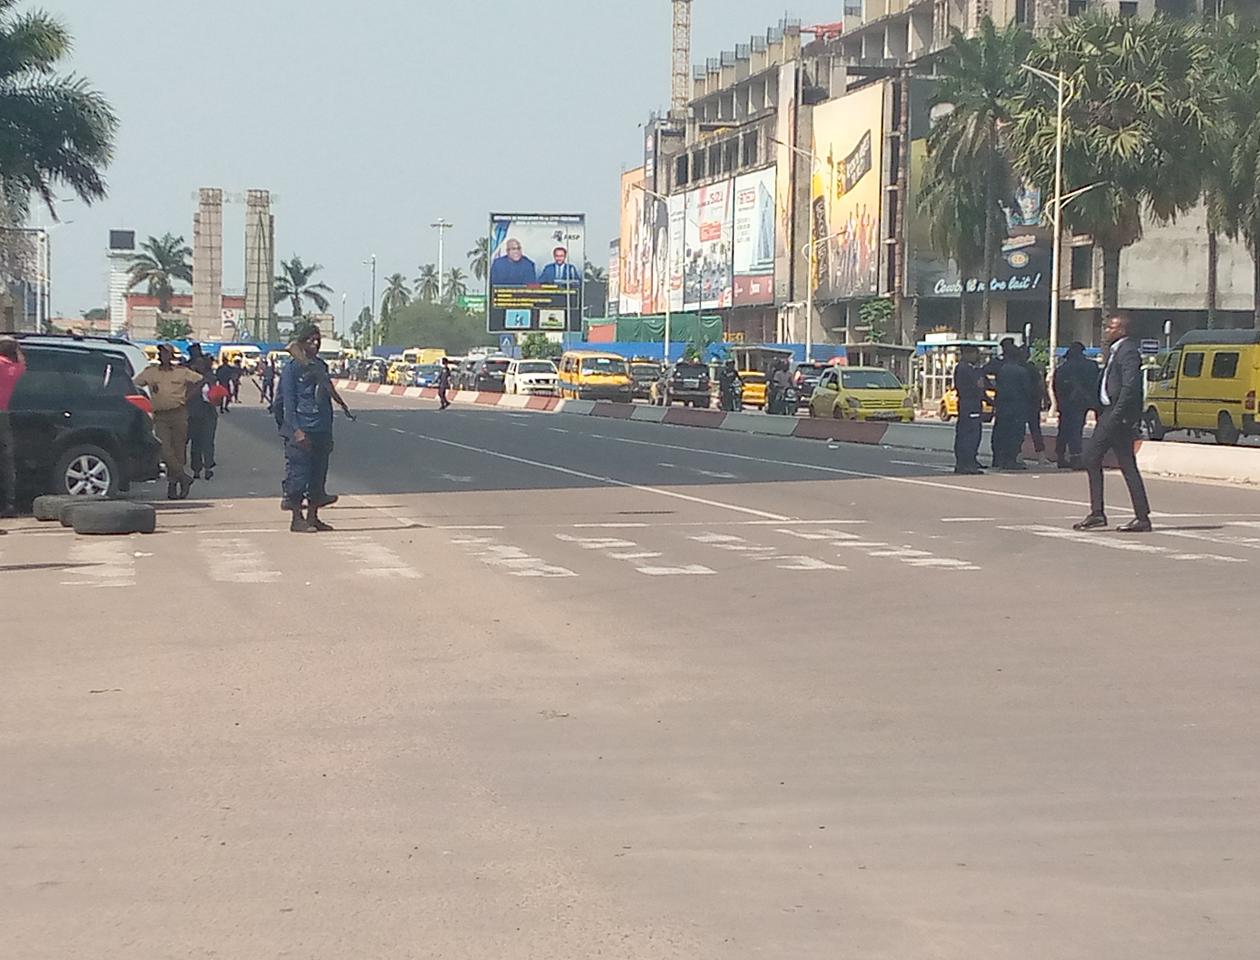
1192,461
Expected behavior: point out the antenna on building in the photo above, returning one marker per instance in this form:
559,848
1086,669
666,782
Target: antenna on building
680,87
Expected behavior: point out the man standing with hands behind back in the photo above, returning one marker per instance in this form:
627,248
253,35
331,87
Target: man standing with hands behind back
1120,393
168,388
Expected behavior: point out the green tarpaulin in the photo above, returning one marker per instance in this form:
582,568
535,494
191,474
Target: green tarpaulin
683,327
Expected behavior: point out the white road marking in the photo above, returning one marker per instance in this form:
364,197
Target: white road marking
948,563
106,564
806,563
716,538
557,430
969,519
642,555
608,526
715,474
862,544
1093,539
396,430
518,563
479,526
596,543
611,481
454,479
691,570
903,552
1221,540
235,560
820,534
374,560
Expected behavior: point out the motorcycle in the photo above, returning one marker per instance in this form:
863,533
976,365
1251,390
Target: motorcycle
789,399
732,399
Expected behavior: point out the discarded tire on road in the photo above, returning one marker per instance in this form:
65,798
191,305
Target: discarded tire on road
48,507
111,518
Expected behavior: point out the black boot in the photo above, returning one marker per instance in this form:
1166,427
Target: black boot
313,521
299,524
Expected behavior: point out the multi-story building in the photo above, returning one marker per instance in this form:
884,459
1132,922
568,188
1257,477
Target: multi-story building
143,315
801,158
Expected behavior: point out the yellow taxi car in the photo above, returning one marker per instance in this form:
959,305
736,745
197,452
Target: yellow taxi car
586,375
861,393
948,409
399,373
754,388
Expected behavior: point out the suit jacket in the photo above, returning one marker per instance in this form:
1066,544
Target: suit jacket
1123,380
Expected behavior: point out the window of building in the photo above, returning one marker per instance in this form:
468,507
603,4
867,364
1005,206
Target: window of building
1128,8
1024,12
697,165
1224,366
1077,8
681,168
1082,270
1192,366
715,159
731,152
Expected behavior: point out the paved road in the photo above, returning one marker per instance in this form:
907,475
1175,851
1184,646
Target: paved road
562,687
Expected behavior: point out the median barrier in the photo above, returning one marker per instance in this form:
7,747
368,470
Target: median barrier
650,413
613,411
759,423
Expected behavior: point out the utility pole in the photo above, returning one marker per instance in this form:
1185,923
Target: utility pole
441,226
372,308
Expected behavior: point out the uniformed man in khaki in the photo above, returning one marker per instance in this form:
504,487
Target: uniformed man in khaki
168,387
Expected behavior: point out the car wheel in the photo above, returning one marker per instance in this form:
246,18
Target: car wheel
943,413
87,471
112,518
1226,432
1155,428
837,412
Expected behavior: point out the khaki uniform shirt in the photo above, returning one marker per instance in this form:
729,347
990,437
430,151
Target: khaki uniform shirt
168,389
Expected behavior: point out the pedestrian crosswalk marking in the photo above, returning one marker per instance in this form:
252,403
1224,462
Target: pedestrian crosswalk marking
101,564
641,555
596,543
1093,539
804,563
616,550
690,570
374,559
515,561
236,560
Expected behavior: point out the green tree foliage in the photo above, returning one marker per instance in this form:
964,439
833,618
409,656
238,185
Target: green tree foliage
455,285
425,324
479,258
428,284
536,346
173,328
967,172
294,283
877,314
1143,101
359,328
160,262
54,129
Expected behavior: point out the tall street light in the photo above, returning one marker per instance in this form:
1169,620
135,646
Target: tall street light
441,226
372,307
669,261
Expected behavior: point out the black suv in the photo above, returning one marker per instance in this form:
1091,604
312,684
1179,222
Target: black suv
685,382
487,376
80,425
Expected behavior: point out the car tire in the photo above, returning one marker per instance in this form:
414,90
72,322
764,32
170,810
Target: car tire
48,507
943,413
113,518
87,471
1226,433
1155,429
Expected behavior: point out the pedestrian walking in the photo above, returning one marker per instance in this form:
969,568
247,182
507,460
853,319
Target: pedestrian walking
238,374
1036,403
444,383
1120,411
223,376
1075,393
168,387
203,419
12,369
267,378
305,414
969,382
1010,410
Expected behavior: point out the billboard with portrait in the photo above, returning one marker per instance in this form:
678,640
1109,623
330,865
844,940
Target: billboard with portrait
710,226
847,193
786,162
614,279
754,247
632,242
536,266
677,249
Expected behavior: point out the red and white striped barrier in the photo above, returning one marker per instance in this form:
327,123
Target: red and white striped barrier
1192,460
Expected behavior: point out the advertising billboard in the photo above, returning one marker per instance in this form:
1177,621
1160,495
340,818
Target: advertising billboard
614,279
1023,267
846,194
632,241
709,231
677,250
785,203
536,266
754,238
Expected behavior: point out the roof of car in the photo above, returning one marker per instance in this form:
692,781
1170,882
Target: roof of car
1230,337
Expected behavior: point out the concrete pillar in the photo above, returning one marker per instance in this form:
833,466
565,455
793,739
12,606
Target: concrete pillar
260,262
207,312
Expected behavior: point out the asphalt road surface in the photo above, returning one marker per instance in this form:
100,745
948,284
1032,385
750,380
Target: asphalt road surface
564,687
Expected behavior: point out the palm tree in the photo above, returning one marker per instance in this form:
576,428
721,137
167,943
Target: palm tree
455,285
954,209
161,261
594,274
964,148
428,284
294,284
53,129
479,258
1138,122
397,293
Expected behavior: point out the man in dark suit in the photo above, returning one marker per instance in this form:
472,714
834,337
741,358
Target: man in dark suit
1076,391
1120,396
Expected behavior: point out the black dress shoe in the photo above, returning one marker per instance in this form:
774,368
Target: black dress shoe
1136,525
968,471
1094,521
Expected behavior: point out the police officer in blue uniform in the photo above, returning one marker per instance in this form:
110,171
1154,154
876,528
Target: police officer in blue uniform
969,381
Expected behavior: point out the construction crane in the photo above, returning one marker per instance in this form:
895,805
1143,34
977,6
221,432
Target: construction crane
680,88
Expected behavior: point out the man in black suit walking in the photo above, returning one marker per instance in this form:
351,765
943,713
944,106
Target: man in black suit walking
1120,394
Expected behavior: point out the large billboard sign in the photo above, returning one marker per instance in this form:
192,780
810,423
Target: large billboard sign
536,266
847,192
709,235
633,242
754,246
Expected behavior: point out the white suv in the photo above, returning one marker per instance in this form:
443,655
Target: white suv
537,378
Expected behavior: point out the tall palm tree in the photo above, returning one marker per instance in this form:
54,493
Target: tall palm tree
964,147
1138,123
479,258
161,261
428,283
397,293
954,209
455,285
53,129
595,274
294,284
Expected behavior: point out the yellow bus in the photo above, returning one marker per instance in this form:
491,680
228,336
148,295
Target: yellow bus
595,376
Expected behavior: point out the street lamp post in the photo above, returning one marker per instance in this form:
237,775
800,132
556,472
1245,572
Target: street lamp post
372,306
344,328
441,226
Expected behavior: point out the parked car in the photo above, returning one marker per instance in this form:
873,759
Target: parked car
861,393
137,358
586,375
488,374
425,375
644,374
806,376
1208,384
80,425
685,382
533,377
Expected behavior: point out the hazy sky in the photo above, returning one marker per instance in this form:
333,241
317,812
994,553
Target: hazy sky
370,121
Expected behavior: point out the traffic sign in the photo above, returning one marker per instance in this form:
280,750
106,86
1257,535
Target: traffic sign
507,345
1149,347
